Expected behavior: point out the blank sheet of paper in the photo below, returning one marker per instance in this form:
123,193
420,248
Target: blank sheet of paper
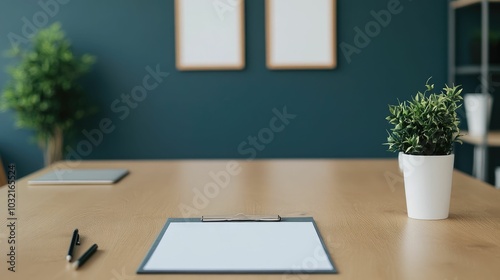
292,245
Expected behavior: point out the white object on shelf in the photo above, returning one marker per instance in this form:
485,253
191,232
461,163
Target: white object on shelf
475,110
497,177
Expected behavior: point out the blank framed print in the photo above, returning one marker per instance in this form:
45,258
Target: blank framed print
209,34
301,34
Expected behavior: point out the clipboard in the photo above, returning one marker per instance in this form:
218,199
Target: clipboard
239,246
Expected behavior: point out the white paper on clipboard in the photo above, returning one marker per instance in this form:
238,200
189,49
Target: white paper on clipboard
291,245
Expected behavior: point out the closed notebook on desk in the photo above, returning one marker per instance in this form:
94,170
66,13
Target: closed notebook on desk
80,177
292,245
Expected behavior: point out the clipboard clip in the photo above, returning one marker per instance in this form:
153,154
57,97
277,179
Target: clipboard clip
241,218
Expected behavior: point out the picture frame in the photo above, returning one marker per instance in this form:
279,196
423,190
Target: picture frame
301,34
209,35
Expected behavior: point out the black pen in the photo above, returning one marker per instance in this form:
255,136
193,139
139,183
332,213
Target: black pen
75,240
85,256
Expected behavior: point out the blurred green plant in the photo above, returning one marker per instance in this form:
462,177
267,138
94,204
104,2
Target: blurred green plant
44,89
426,125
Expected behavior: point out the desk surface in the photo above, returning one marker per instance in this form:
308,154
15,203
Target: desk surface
359,207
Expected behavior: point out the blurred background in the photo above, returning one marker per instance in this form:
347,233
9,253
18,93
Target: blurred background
340,113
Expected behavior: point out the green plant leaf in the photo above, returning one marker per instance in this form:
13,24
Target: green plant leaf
427,124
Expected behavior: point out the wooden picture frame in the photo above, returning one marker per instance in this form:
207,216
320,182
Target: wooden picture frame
209,34
301,34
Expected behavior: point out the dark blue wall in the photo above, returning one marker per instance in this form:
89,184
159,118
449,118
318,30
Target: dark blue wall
340,113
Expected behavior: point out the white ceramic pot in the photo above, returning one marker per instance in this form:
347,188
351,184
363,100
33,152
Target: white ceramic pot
478,119
428,181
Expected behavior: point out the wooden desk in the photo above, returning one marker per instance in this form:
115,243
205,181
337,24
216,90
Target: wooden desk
359,207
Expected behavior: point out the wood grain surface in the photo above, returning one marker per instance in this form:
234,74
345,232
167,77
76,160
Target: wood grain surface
358,205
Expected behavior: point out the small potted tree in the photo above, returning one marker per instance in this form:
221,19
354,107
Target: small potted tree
424,131
44,89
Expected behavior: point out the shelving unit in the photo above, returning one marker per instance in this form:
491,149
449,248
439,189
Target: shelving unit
480,169
475,69
493,138
463,3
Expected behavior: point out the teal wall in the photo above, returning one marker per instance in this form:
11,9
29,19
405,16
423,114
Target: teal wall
339,113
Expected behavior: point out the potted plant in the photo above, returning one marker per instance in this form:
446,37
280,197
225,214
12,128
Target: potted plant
44,89
425,130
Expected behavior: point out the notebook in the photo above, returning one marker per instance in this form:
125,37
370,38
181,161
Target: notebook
80,176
